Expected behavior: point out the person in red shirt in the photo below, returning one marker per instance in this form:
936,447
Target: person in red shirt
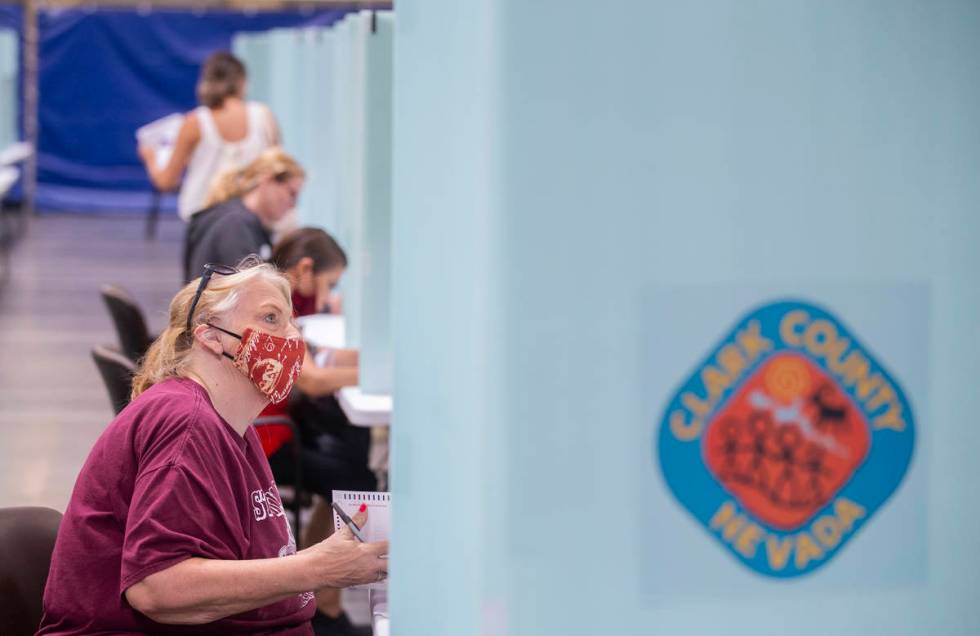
175,524
333,453
313,263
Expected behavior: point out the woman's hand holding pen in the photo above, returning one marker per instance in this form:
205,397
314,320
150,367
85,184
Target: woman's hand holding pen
341,560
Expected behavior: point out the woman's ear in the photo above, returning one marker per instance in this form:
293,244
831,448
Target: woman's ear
209,338
305,266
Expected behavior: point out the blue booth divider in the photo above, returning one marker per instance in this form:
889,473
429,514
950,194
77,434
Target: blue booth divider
331,89
9,77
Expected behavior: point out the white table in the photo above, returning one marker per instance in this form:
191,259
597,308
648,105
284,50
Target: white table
324,330
365,409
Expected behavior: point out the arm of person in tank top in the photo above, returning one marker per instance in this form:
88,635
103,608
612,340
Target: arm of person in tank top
198,591
317,381
167,178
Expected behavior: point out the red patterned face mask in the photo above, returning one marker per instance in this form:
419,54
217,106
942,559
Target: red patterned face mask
272,363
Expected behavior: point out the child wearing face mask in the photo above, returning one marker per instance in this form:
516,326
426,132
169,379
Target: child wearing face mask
334,453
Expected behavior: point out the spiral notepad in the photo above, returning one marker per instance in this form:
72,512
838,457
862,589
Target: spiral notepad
378,525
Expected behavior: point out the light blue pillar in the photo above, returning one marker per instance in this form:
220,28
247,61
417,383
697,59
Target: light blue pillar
285,83
585,201
376,350
348,127
320,210
253,49
8,88
449,477
331,92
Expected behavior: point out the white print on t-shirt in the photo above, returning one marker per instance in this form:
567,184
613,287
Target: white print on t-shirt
289,548
266,504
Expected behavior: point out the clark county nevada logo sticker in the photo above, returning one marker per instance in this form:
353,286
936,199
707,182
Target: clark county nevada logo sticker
786,439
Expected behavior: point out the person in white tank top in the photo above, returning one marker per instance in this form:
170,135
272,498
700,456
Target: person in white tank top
224,133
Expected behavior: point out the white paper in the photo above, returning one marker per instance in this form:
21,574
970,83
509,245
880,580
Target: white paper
378,525
160,133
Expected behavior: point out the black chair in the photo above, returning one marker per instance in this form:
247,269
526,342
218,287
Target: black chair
134,337
117,373
27,538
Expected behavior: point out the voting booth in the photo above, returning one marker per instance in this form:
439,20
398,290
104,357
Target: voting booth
685,318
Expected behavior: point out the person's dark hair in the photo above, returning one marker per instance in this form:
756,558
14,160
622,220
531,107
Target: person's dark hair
312,242
222,76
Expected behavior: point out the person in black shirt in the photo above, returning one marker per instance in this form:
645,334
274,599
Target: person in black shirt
242,207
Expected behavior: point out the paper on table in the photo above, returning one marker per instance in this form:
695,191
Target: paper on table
378,526
324,330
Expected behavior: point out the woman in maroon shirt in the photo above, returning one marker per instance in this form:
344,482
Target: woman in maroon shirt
175,523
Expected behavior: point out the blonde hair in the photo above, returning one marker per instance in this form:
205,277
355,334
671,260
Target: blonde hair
273,162
167,356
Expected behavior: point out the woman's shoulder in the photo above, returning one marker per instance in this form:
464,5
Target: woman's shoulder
191,126
173,403
265,121
169,416
231,212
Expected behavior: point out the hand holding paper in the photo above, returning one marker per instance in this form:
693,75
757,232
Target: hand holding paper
344,561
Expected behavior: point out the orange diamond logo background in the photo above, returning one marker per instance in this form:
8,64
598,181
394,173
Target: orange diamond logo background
786,441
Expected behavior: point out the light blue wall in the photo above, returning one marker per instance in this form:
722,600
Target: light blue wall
447,462
585,198
8,87
331,89
376,349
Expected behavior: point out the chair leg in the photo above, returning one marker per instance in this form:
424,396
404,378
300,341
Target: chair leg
153,216
298,489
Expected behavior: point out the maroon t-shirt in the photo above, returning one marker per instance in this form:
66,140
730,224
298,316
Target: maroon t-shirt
166,481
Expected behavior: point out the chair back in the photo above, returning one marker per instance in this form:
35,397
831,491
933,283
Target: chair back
134,337
27,538
117,373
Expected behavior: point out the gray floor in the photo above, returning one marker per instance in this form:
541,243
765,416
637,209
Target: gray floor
53,404
52,401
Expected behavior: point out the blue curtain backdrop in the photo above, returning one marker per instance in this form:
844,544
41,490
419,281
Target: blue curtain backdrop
104,73
11,17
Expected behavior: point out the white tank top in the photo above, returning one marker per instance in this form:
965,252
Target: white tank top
213,155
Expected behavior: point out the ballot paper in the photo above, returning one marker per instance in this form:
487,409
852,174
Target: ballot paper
161,135
378,525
